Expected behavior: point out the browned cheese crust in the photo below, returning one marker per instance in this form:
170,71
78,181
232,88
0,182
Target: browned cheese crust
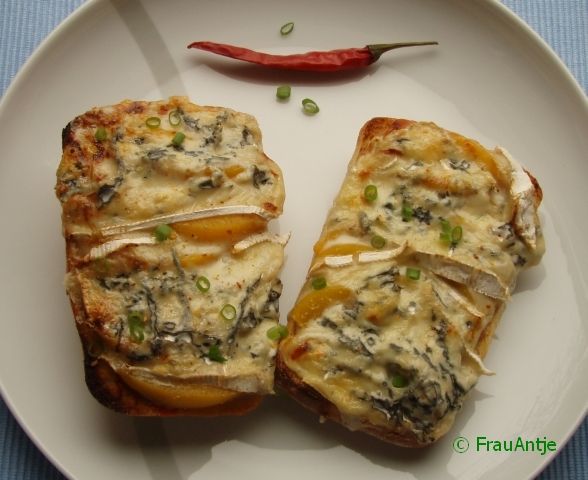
417,258
172,274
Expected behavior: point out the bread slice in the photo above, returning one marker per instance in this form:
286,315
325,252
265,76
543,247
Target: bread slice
418,255
172,274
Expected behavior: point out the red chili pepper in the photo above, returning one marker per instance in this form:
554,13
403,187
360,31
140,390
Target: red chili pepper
329,61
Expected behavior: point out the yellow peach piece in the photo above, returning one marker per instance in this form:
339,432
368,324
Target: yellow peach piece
197,259
178,396
231,228
233,170
314,303
344,249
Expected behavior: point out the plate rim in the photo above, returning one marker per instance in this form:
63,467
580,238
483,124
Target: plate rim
515,23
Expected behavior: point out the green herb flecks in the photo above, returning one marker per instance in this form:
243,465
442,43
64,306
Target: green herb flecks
162,232
215,354
319,283
413,273
136,326
277,332
287,28
101,134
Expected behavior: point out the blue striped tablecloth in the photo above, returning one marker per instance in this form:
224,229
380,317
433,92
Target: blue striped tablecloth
25,23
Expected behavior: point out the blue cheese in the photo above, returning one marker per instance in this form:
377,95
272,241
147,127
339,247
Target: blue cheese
397,353
188,308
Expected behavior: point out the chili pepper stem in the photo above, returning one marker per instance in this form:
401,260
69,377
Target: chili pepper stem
379,48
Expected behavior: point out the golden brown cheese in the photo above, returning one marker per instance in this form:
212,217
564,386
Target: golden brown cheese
416,259
172,275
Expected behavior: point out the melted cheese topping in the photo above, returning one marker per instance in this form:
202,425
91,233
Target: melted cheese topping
182,318
395,351
138,172
179,322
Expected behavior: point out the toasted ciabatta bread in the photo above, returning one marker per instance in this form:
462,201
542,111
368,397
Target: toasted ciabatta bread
416,260
171,272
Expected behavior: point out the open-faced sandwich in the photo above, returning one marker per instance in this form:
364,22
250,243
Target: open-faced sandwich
416,260
171,271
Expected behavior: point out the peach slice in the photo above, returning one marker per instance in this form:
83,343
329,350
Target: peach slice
344,249
233,170
230,228
178,396
197,259
317,301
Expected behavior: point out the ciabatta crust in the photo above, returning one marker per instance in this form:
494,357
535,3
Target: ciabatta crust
392,340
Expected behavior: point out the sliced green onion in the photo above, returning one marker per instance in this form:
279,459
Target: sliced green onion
445,235
445,226
449,235
174,118
378,242
153,122
136,326
228,312
456,235
319,283
162,232
399,381
309,106
215,354
413,273
407,212
101,134
203,284
277,332
283,92
178,139
287,28
370,193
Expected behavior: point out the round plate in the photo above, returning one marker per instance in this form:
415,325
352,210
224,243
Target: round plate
490,78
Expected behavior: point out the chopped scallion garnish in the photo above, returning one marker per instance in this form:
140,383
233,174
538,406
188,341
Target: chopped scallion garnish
445,234
283,92
203,284
456,235
407,212
153,122
178,139
162,232
319,283
399,381
215,354
370,193
309,106
101,134
287,28
413,273
228,312
378,242
445,227
277,332
136,326
174,118
450,235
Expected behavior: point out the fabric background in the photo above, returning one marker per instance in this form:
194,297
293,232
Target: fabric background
25,23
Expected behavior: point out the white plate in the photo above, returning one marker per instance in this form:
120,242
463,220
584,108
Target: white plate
490,78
